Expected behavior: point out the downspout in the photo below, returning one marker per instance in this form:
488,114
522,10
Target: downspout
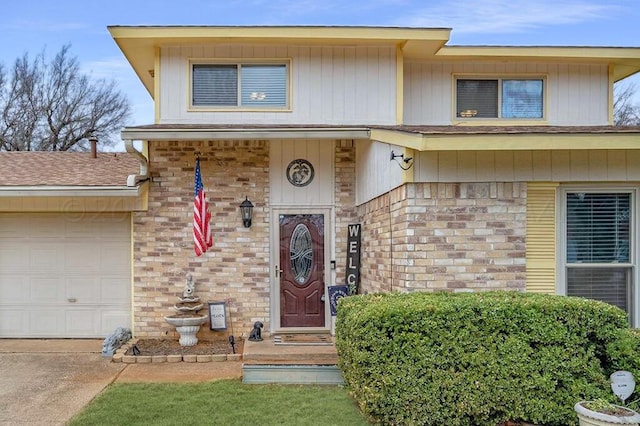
133,180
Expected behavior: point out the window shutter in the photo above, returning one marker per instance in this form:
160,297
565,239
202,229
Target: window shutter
541,237
521,98
264,85
477,98
215,85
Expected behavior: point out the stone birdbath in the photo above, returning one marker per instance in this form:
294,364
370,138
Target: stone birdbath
187,321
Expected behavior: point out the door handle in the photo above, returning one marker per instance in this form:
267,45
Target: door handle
278,272
72,300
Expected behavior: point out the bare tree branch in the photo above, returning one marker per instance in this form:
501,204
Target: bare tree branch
625,111
52,106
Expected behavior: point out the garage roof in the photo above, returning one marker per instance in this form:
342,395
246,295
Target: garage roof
29,168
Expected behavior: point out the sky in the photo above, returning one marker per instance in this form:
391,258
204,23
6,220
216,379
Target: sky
34,26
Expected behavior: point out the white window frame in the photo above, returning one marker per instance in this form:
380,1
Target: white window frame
286,62
561,275
500,78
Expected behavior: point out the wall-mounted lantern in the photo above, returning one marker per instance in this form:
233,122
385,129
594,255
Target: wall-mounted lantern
246,210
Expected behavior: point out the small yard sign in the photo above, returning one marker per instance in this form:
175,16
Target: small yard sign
217,315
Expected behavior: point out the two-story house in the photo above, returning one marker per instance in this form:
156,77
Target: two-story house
469,168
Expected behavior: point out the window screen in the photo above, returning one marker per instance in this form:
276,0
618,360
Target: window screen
477,98
598,228
264,85
521,98
215,85
598,247
499,98
245,85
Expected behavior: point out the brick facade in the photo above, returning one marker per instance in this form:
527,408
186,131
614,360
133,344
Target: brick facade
346,213
236,268
445,236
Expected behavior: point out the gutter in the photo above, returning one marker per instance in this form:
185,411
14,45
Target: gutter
133,180
69,191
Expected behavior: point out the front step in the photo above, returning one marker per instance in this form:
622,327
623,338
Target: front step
292,374
266,362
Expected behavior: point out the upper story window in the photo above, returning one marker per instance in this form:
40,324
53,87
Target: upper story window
240,85
506,98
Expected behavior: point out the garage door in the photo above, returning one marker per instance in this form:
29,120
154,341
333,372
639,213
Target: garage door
64,275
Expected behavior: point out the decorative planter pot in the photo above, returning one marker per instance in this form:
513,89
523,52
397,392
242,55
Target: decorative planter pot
589,417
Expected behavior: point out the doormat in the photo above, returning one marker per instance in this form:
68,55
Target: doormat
303,339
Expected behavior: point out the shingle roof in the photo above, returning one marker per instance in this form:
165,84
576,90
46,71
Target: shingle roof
435,130
496,130
30,168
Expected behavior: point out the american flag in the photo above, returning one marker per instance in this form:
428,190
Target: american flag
202,238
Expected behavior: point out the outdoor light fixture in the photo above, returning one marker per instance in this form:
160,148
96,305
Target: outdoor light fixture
408,162
246,210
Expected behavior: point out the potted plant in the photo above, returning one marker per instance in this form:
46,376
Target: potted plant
602,413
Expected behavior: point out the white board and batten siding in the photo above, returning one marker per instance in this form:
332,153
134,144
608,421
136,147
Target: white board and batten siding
320,153
576,95
528,166
64,275
376,174
330,85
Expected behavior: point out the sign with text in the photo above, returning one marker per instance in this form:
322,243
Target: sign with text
217,316
622,384
353,258
336,292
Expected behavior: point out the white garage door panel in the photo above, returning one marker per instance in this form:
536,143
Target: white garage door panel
84,289
113,291
13,257
81,322
12,289
46,291
114,319
13,322
64,275
45,257
46,322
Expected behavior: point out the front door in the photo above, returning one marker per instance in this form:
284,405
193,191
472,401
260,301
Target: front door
302,270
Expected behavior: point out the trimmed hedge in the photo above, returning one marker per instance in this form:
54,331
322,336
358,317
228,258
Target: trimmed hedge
479,358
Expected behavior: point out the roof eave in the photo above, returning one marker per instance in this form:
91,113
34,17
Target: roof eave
181,134
507,142
139,43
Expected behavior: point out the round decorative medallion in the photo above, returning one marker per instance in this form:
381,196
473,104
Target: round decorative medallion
300,172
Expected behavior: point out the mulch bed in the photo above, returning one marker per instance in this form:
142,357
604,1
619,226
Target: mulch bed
172,347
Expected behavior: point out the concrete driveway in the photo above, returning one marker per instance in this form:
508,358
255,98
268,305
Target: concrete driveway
46,382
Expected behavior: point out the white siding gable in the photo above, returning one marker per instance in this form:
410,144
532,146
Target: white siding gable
329,85
577,95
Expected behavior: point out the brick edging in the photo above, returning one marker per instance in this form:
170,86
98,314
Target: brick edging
119,356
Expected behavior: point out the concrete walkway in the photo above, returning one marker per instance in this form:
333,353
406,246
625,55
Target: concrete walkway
48,381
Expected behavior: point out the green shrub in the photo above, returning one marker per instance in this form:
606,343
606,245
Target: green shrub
479,358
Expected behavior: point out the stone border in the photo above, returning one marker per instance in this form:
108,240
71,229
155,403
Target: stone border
120,356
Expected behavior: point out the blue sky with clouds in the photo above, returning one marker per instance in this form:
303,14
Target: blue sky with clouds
32,25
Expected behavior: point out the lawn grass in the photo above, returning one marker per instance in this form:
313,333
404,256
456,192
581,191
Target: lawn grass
227,402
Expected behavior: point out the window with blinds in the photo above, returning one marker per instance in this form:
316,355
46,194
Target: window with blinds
249,85
598,247
499,98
